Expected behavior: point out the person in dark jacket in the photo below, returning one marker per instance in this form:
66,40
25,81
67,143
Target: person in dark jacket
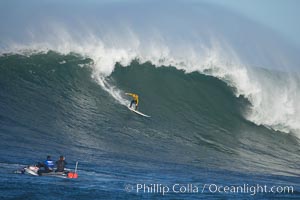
60,164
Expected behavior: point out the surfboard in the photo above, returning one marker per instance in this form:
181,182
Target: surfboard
137,112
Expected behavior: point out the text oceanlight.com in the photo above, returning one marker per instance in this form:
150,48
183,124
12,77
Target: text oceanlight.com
207,188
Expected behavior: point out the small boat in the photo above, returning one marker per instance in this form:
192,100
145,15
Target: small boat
34,171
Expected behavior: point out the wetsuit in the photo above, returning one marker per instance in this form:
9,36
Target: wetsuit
135,100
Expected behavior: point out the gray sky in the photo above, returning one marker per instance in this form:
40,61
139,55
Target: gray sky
281,15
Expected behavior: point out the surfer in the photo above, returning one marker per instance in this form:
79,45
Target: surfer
60,164
135,100
48,166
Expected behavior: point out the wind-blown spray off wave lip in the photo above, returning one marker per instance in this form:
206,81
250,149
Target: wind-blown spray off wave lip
200,42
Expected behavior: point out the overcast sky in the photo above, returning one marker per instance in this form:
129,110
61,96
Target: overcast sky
281,15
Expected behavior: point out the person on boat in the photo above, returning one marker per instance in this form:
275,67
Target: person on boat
135,100
60,164
48,166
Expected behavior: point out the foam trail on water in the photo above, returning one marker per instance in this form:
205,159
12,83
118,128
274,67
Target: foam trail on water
112,90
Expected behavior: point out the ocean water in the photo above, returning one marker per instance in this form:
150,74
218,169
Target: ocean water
222,90
197,136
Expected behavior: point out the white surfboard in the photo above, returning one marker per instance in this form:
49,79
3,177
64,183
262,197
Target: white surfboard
137,112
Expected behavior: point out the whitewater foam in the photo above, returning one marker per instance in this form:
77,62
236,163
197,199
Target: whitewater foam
274,97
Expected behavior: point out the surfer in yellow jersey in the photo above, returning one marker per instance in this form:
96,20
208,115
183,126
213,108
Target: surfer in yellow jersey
135,100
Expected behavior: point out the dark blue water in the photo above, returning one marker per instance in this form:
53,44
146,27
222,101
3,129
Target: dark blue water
197,136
